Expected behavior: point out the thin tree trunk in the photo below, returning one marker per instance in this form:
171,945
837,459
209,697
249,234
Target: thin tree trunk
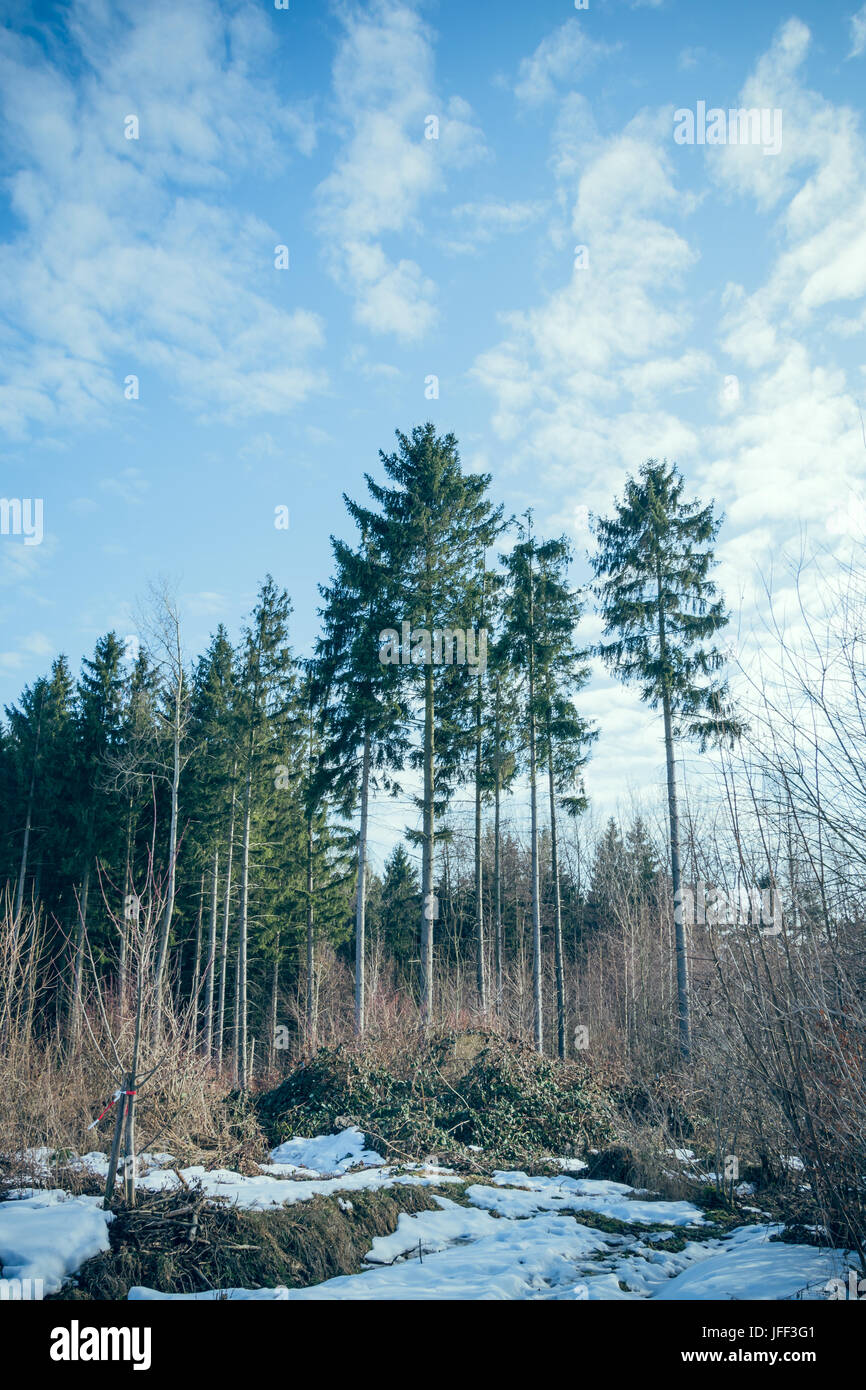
129,1164
241,1061
114,1154
221,1018
427,906
533,797
311,954
196,970
127,894
497,894
78,975
361,897
211,957
683,1026
557,907
25,848
236,1029
165,928
481,974
275,989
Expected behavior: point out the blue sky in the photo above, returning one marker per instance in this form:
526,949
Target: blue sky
411,257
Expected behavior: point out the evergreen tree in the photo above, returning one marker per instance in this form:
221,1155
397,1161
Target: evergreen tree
209,800
365,716
264,696
661,612
399,907
432,524
98,730
541,614
565,736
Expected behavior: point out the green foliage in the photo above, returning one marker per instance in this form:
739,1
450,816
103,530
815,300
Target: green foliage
660,607
504,1098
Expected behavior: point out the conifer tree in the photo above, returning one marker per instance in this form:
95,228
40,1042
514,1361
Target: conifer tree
565,736
364,711
541,614
264,696
98,720
661,611
432,524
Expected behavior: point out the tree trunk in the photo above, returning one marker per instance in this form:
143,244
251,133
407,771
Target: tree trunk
481,974
361,897
533,797
127,894
427,906
25,848
275,989
165,929
129,1162
497,895
311,953
78,972
557,908
196,969
683,1027
211,958
241,1061
224,952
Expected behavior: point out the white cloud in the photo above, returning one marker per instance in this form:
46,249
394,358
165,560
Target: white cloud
858,33
558,60
387,166
600,345
124,262
480,223
621,361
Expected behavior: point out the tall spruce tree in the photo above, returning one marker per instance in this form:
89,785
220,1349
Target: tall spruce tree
541,614
661,611
99,727
265,692
209,796
433,523
565,736
364,712
499,759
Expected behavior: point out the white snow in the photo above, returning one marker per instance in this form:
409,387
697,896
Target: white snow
749,1266
581,1194
277,1295
267,1190
324,1156
519,1237
48,1235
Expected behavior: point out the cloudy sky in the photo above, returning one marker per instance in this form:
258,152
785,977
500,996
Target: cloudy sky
487,194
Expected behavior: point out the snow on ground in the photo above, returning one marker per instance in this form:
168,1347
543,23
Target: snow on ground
580,1194
323,1157
471,1253
519,1238
48,1235
749,1265
256,1194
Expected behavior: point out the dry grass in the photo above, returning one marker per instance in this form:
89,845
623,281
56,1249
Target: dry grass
177,1243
